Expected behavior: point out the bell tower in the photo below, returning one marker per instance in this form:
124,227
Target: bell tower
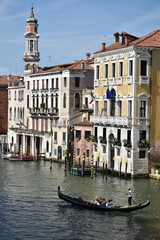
31,55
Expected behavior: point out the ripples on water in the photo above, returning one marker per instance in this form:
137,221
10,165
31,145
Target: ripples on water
31,209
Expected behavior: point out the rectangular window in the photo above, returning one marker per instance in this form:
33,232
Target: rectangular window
118,151
42,83
46,125
64,137
77,81
129,136
37,84
119,134
33,124
105,108
96,132
56,83
96,108
78,134
86,102
52,83
142,154
130,108
130,68
78,152
87,153
37,124
106,71
28,85
121,69
55,136
97,72
27,122
87,134
143,68
119,108
113,70
104,133
47,84
65,82
142,109
55,152
142,135
33,84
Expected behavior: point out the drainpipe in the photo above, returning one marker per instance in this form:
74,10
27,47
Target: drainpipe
134,113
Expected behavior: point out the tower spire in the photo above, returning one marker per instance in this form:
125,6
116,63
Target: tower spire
31,55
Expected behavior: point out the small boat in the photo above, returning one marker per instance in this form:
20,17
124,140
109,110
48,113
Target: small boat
6,156
21,158
88,205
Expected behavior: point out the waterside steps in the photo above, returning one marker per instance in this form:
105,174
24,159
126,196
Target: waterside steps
79,171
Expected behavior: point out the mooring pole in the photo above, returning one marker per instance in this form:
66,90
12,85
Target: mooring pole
103,168
96,168
106,169
65,160
83,164
126,167
120,167
92,166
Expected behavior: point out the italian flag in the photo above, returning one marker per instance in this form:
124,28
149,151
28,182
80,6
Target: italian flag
92,98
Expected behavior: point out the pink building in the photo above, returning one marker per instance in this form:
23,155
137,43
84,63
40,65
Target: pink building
82,141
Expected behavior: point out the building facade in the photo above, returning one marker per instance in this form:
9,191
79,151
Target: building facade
126,104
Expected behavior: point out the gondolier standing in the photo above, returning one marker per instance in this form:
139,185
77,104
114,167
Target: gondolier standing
129,196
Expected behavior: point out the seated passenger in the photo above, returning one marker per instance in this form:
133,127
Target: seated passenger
96,201
109,203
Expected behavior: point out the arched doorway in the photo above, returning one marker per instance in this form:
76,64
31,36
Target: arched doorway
111,147
59,152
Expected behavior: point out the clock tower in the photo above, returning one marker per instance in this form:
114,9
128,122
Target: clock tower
31,55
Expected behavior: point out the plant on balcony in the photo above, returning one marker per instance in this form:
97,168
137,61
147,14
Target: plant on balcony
104,141
143,144
78,138
94,139
88,139
127,144
42,105
116,142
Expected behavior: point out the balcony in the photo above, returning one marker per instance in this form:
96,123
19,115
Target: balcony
129,79
113,121
144,80
104,82
96,82
111,81
119,80
44,111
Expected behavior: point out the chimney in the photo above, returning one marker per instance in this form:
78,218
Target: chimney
103,46
116,37
88,56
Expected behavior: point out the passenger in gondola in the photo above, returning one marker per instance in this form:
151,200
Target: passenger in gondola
96,201
82,200
109,203
102,201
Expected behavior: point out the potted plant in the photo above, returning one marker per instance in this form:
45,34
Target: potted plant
157,168
116,142
143,144
42,105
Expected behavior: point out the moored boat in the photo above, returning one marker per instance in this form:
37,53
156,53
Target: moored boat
88,205
21,158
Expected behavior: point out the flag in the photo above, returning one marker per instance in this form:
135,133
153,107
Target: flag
92,98
108,94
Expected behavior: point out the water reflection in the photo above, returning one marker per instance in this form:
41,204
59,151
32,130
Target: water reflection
31,209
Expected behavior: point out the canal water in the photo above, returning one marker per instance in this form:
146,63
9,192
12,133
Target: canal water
31,209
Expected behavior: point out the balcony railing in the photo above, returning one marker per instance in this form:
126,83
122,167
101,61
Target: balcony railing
129,79
120,121
144,80
44,111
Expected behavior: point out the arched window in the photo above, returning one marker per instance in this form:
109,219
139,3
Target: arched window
33,101
15,95
46,100
10,113
37,105
27,101
18,113
14,113
52,101
77,100
47,146
64,100
112,103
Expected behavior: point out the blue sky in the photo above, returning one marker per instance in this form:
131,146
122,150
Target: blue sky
70,28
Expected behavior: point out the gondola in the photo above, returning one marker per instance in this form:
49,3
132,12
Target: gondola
88,205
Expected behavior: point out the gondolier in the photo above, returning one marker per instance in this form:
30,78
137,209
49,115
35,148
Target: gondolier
129,196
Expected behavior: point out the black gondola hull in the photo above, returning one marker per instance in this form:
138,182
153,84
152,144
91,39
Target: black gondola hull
87,205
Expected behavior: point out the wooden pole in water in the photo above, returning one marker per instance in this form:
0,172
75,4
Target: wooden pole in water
106,169
96,168
69,161
65,160
98,158
83,164
120,167
113,165
74,159
92,166
103,168
79,161
126,167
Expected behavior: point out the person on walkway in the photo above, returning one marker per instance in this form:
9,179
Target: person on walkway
129,193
